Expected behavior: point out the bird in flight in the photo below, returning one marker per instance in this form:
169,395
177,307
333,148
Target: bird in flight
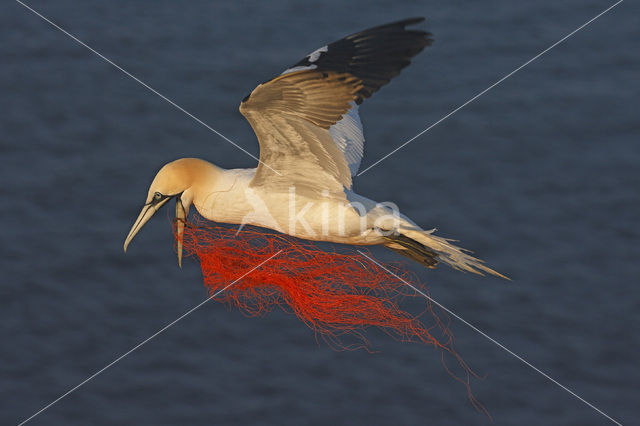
311,144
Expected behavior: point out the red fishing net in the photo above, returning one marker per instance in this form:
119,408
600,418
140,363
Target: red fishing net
337,294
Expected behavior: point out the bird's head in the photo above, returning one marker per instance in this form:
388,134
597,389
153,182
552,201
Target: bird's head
174,180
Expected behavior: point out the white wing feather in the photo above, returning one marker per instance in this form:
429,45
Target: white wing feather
348,136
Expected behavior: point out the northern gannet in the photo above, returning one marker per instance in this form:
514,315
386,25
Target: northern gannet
311,143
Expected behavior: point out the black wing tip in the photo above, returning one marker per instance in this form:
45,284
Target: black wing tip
417,38
401,24
427,36
396,45
413,20
374,55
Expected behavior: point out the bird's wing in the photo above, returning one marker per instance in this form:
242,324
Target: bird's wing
306,119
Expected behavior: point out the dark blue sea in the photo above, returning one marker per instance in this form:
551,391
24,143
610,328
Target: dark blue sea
540,177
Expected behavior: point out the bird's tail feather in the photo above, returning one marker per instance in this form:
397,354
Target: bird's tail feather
428,249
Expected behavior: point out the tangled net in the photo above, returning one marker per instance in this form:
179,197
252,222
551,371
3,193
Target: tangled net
337,294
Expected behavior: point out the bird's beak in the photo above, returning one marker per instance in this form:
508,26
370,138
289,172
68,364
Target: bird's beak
181,217
147,211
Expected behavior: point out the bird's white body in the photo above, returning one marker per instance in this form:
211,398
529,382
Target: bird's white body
341,218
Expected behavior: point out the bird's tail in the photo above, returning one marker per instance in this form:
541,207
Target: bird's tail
428,249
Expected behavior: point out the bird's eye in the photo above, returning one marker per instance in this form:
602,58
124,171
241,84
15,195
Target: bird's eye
157,196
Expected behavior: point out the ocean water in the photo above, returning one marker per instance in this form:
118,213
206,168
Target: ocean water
539,177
